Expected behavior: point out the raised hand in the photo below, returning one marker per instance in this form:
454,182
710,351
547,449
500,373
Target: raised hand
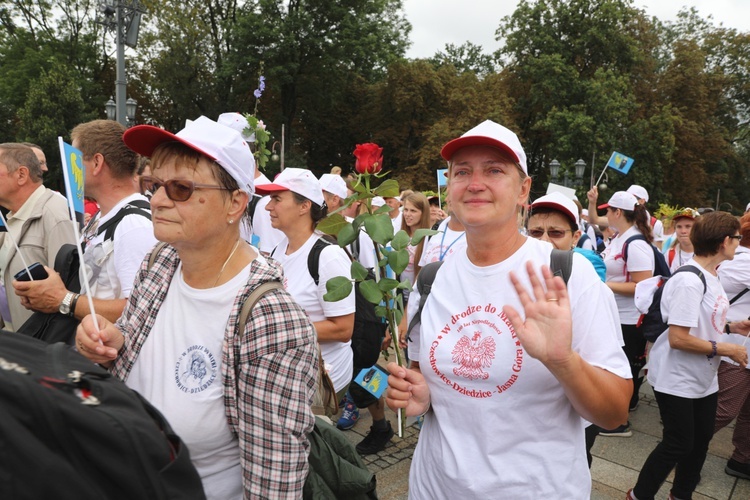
546,334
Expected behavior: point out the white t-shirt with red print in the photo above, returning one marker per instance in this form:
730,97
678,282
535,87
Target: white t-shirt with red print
680,373
640,258
501,425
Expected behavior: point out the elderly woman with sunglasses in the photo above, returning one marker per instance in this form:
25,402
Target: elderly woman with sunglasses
684,360
238,394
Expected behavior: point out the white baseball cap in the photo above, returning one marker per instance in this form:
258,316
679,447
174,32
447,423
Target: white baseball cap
334,184
489,133
222,145
639,191
558,201
378,201
622,200
296,180
235,121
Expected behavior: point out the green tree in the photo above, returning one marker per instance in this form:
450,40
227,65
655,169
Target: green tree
467,57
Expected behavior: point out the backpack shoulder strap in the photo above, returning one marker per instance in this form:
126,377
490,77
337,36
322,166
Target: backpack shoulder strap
582,240
738,296
561,263
635,237
253,299
425,279
696,271
313,259
254,199
137,207
154,253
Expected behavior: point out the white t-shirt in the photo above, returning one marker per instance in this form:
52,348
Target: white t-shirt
113,264
640,258
268,236
657,229
680,258
366,255
734,276
501,425
338,356
397,223
683,303
440,245
179,371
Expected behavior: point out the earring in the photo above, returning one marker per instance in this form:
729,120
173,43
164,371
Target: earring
231,221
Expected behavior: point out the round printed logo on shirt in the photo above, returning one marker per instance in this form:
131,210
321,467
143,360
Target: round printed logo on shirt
483,348
195,370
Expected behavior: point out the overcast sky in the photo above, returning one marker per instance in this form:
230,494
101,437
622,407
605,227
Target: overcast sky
438,22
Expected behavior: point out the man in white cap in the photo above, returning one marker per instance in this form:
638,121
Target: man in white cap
115,241
508,361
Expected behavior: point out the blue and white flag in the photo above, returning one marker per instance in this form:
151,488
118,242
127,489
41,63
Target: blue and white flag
73,172
620,162
442,177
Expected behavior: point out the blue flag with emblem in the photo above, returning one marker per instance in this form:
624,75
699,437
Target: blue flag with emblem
620,162
73,172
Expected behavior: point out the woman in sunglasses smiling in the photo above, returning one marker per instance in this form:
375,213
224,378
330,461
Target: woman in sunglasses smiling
179,341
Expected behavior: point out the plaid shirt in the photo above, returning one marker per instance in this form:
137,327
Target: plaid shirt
273,367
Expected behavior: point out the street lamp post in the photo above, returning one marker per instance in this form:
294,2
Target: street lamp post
124,18
579,169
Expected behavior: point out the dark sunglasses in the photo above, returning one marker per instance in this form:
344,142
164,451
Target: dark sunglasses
552,233
176,189
737,237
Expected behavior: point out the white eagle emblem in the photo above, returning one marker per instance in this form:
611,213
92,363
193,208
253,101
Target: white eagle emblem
473,355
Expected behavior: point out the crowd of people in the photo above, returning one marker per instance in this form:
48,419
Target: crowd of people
179,243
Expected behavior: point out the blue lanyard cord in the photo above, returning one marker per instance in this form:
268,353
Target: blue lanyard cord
443,253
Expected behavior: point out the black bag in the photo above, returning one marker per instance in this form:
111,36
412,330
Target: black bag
369,328
70,430
661,268
56,327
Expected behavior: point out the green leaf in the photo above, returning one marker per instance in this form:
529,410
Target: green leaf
337,288
388,189
347,234
359,272
421,233
387,284
332,224
382,210
399,314
370,291
381,311
405,285
398,260
379,228
383,262
358,187
400,240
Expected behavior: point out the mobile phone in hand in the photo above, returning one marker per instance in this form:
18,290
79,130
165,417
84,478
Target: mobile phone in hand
37,272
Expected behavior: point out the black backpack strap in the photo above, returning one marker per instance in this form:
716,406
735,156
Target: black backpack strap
694,270
582,240
425,279
627,243
561,263
137,207
254,199
313,259
738,296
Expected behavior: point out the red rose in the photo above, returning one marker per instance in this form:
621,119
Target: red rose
369,158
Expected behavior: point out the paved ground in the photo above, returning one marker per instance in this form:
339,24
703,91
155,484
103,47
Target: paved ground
615,469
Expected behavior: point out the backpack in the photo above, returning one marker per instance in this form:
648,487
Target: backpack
560,263
599,243
56,327
70,430
369,328
648,302
661,268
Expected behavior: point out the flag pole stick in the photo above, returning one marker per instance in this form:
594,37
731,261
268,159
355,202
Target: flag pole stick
15,244
71,208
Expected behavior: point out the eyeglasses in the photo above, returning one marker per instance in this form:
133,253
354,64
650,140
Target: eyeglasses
176,189
555,234
737,237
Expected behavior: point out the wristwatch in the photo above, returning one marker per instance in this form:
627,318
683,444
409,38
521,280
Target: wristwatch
65,304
